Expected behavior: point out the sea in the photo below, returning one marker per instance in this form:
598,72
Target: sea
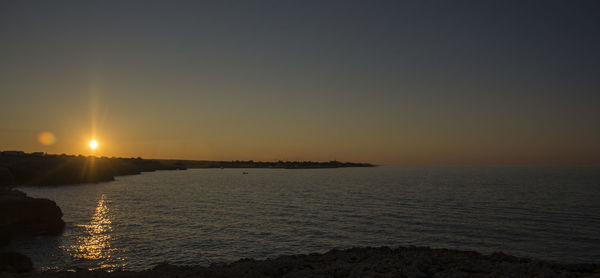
205,216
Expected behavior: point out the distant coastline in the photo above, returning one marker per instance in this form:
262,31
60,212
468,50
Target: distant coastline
18,168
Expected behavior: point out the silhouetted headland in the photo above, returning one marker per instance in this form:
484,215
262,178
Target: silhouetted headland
19,168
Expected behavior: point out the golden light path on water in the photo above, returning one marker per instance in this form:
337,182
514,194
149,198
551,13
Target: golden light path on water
95,243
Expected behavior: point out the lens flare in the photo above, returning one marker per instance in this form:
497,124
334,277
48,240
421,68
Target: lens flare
46,138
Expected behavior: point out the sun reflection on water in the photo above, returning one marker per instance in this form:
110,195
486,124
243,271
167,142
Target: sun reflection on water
95,243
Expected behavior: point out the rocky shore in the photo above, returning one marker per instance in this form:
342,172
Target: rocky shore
362,262
23,216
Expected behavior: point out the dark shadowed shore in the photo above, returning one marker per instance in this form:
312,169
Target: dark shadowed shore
362,262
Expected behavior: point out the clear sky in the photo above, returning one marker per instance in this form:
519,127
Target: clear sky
388,82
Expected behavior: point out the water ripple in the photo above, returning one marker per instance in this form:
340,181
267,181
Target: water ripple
211,215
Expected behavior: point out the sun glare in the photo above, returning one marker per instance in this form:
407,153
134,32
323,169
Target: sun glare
93,144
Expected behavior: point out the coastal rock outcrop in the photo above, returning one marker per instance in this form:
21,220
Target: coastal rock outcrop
22,216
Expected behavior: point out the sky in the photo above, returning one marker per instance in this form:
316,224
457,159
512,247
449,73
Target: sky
386,82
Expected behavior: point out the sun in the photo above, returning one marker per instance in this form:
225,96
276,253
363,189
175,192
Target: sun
93,144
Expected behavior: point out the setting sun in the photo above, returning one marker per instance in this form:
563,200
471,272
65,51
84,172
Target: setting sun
93,144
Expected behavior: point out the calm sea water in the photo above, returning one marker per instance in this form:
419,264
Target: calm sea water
201,216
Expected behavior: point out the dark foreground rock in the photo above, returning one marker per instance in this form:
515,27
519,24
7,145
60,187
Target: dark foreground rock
366,262
13,262
23,216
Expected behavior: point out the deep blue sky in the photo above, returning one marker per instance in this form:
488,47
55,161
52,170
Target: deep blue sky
420,82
